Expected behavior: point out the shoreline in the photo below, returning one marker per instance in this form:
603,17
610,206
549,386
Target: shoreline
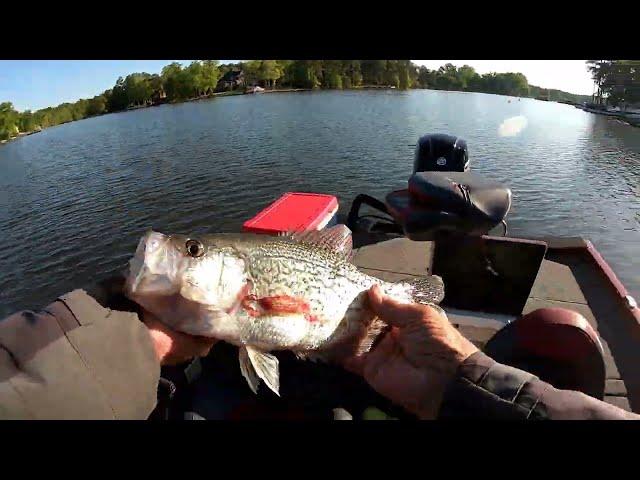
627,118
632,119
20,135
231,93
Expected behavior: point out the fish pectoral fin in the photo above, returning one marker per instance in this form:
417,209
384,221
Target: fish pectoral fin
266,367
314,357
256,365
247,370
373,332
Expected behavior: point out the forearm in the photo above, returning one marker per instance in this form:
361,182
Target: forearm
483,388
76,359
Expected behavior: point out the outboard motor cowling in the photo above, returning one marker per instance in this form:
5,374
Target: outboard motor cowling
443,199
441,153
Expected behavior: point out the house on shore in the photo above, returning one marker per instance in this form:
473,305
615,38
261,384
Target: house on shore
159,97
231,80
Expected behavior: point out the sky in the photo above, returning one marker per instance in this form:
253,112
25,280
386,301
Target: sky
35,84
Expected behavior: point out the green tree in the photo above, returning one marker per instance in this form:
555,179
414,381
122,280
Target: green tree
265,72
79,109
391,75
425,77
373,71
287,78
210,76
334,80
518,85
118,99
356,77
413,74
270,72
316,73
476,83
466,75
447,78
506,84
406,73
63,113
405,80
173,78
9,119
96,106
600,70
42,117
251,71
332,74
304,74
156,86
193,81
27,122
617,81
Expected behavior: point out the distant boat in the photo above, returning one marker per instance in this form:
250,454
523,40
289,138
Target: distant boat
255,89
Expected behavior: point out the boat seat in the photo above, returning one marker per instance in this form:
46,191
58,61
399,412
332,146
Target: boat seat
436,202
555,344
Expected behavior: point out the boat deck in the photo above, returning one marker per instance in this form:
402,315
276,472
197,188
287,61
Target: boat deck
568,277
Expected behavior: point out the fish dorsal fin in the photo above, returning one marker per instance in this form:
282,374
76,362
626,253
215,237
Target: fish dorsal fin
337,239
256,365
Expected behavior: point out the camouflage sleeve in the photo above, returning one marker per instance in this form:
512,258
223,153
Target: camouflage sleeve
484,388
76,359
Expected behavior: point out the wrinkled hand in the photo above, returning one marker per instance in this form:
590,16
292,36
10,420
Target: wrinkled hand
415,361
174,347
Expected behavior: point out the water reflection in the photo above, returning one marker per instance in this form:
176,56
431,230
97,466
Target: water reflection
75,198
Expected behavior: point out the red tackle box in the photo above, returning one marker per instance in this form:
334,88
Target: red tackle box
294,212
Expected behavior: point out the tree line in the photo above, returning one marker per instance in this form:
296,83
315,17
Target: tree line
617,81
201,78
175,83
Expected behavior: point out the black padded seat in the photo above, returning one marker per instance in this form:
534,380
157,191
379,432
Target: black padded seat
449,201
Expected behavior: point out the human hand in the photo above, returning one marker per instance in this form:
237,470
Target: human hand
173,347
415,361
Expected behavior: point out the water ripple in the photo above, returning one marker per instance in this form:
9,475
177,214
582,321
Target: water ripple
75,198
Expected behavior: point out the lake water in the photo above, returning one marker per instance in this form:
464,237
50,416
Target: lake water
74,199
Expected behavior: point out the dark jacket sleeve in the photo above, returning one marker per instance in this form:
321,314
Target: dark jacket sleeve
76,359
484,388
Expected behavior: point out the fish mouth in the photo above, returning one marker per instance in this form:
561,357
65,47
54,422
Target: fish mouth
152,270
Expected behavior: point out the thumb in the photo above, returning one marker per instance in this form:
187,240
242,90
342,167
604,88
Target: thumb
395,313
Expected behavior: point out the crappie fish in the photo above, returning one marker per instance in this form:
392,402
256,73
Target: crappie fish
262,293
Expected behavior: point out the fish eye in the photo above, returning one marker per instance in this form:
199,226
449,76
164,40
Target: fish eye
194,248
